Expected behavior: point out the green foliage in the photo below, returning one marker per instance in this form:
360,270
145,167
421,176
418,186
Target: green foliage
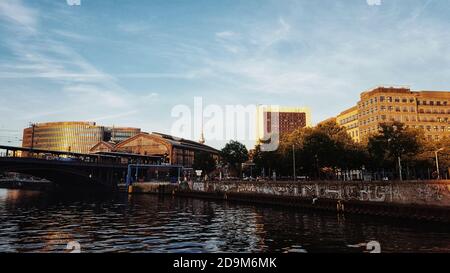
322,151
234,153
325,147
392,142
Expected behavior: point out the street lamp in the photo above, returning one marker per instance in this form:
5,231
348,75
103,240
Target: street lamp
399,159
293,162
437,162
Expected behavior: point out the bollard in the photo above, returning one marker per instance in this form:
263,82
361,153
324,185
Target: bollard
130,189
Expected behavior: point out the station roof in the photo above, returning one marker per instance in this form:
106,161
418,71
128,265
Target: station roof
59,153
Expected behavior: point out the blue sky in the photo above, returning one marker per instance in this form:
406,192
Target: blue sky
130,62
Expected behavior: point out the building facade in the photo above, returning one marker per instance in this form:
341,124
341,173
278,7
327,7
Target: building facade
76,137
283,120
119,134
349,120
425,110
176,151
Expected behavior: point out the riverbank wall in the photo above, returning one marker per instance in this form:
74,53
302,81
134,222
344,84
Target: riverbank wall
419,200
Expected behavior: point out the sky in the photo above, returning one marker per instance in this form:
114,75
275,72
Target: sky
129,63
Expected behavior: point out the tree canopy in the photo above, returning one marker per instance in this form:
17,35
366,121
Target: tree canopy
234,153
327,149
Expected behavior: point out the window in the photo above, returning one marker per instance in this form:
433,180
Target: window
404,100
381,98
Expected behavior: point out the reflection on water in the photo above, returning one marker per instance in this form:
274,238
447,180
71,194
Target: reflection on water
46,222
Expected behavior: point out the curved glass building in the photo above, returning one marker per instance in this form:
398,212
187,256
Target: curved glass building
77,137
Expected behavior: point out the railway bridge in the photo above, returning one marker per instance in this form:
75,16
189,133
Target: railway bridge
102,170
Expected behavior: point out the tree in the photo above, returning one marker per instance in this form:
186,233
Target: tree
234,153
205,162
426,159
393,142
266,162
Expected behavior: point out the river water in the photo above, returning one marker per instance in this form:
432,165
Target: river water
48,221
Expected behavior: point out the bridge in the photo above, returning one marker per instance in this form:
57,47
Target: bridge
101,170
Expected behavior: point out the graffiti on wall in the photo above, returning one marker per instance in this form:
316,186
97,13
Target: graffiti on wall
431,192
404,192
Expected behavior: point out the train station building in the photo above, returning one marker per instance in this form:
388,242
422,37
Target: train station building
174,151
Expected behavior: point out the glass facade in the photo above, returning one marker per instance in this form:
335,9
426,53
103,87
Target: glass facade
120,134
77,137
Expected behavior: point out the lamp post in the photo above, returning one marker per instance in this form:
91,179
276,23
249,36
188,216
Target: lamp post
437,162
293,161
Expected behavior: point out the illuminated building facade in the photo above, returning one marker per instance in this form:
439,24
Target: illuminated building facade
289,120
425,110
77,137
349,120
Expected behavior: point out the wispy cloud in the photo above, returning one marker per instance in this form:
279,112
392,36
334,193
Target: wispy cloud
39,56
15,12
226,34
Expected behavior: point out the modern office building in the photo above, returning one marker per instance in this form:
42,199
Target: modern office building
176,151
119,134
77,137
284,120
425,110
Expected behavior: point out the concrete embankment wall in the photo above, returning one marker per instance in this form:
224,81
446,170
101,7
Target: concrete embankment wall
435,193
418,200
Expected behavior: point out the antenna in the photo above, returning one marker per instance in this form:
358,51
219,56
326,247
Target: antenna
202,137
